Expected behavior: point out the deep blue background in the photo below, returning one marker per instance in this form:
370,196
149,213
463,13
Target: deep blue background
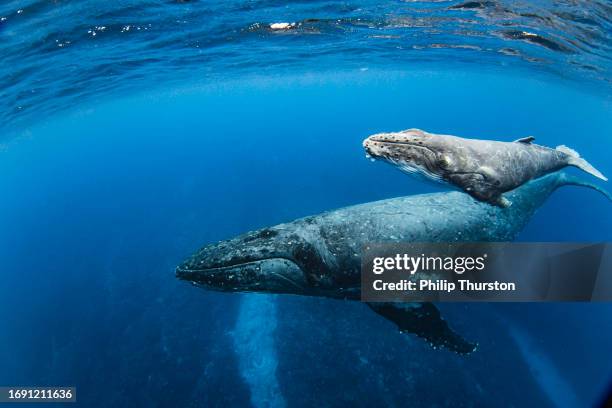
99,205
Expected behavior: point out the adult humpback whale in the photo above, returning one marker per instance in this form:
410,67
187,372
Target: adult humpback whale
485,169
321,255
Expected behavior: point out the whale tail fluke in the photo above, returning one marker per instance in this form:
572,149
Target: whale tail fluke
576,160
568,180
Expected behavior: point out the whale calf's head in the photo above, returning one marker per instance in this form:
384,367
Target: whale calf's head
260,261
414,151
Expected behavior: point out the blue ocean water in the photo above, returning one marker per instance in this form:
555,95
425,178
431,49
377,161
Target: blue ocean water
124,151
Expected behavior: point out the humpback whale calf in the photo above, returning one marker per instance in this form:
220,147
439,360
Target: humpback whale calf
321,255
485,169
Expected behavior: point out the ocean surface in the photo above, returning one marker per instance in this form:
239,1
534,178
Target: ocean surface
134,132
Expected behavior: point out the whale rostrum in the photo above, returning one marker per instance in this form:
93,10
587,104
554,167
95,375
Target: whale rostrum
320,255
485,169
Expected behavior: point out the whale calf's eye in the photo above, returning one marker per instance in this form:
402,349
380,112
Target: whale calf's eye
443,162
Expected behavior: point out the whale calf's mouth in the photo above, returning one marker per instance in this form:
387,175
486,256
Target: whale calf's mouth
393,145
370,145
411,157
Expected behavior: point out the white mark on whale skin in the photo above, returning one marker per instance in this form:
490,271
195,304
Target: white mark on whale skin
282,26
256,350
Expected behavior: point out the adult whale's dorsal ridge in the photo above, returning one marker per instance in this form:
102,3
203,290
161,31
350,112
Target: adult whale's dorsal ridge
485,169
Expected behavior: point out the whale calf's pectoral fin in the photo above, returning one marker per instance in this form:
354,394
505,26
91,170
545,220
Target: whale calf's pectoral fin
526,140
424,320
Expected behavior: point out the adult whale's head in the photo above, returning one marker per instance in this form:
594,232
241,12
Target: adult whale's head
273,260
416,152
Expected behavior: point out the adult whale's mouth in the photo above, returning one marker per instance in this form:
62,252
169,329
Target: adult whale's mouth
263,261
275,275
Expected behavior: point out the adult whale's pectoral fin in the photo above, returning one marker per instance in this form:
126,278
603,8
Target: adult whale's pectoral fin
526,140
424,320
